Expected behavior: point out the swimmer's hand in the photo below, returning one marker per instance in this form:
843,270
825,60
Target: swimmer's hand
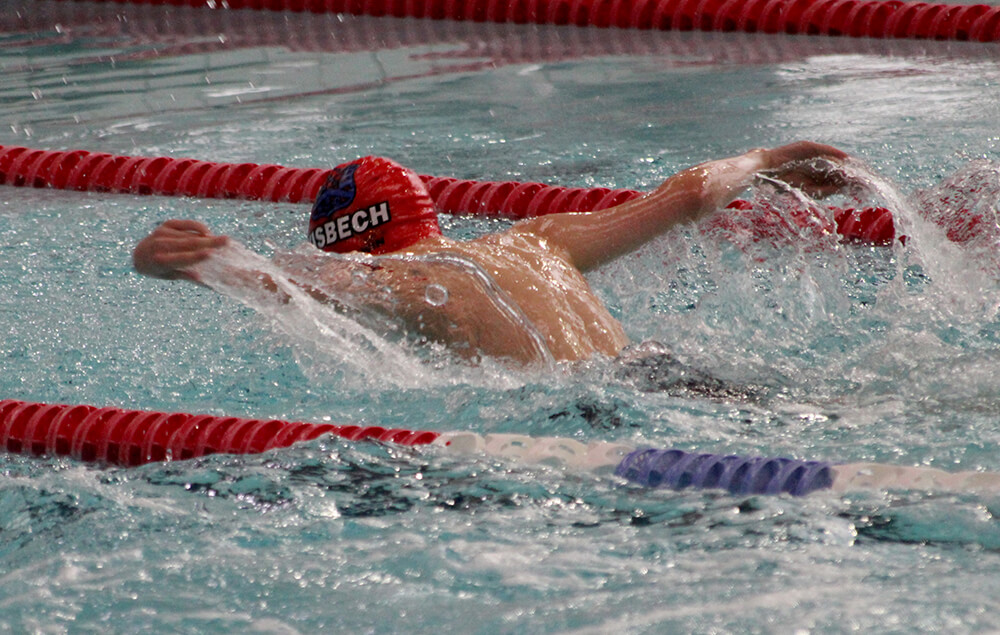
173,247
810,167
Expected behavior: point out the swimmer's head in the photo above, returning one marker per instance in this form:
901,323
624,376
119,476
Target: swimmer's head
372,205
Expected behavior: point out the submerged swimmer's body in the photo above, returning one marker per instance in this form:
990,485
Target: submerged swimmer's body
533,285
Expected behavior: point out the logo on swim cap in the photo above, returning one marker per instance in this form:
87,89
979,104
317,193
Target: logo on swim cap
373,205
337,193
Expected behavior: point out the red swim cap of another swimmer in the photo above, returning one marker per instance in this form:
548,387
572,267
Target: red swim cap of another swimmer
373,205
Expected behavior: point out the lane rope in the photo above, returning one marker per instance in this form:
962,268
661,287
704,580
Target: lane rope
114,436
101,172
82,170
854,18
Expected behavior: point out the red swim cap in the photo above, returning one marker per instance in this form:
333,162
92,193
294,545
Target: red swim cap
373,205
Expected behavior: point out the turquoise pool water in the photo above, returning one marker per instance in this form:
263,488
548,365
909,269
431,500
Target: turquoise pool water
853,353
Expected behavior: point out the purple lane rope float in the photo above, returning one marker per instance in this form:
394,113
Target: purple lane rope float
854,18
114,436
737,474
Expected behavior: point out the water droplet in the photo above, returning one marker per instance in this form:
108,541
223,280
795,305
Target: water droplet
436,295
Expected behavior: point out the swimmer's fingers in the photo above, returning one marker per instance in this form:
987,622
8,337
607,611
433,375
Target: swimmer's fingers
816,170
803,151
174,246
174,261
817,179
184,225
162,260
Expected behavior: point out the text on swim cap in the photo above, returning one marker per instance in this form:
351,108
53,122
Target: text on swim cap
348,225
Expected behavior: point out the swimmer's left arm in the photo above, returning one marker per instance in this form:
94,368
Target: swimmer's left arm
593,238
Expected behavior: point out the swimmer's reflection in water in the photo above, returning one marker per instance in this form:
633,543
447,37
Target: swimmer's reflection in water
518,295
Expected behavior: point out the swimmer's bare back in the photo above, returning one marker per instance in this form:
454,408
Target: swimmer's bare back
551,296
506,296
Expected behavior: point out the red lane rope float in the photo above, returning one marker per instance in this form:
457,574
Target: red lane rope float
804,226
133,437
100,172
856,18
87,171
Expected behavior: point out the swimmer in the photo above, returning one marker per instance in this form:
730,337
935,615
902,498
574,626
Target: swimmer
374,206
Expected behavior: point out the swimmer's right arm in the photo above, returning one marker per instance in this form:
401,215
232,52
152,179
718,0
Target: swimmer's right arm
173,247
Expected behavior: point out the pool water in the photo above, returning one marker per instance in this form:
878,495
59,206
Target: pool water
841,352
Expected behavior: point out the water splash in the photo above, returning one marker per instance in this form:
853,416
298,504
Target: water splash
940,310
770,293
965,272
966,206
343,323
325,340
